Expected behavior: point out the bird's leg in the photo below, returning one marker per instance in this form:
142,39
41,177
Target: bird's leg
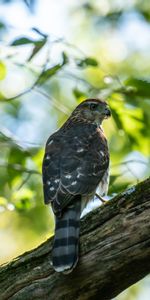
100,198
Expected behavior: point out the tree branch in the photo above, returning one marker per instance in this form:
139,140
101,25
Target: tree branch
114,253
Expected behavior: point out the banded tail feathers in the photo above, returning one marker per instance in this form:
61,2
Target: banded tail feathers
66,240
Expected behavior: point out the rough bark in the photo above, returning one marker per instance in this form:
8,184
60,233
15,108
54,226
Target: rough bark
114,253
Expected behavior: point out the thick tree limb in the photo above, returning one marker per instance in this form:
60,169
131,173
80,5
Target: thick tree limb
115,253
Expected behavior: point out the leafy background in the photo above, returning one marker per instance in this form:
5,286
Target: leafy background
54,54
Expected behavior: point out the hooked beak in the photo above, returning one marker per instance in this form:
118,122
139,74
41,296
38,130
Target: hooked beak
107,113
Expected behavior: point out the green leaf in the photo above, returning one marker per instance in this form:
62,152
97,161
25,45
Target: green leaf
117,119
38,45
138,86
39,32
3,201
23,199
16,155
22,41
3,70
88,61
91,62
2,97
2,26
78,93
118,187
23,204
113,178
64,58
133,139
47,74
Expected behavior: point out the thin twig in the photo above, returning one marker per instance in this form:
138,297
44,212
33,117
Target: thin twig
19,168
53,101
73,76
129,161
24,181
132,173
18,95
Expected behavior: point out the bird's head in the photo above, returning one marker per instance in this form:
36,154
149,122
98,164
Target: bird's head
92,111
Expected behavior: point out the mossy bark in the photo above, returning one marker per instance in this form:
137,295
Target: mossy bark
114,253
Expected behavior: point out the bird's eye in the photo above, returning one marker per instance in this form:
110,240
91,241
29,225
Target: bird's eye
93,106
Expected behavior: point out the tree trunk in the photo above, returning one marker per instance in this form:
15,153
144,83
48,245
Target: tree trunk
114,254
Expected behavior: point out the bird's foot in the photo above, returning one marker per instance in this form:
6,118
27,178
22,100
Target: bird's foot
100,198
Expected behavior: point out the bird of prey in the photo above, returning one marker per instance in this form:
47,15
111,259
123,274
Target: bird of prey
75,164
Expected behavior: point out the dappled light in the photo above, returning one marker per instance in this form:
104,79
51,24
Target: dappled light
99,49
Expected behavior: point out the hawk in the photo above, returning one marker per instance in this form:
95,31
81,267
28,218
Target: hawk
75,164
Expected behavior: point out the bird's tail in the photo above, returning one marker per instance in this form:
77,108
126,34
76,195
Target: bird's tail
66,240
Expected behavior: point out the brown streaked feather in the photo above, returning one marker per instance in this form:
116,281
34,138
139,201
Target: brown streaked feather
73,166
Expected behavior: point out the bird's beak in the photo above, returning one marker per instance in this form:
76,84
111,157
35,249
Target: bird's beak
107,113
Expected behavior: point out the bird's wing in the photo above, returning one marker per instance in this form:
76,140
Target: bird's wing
73,166
84,164
51,169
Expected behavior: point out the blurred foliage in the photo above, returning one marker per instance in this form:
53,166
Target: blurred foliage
30,4
42,79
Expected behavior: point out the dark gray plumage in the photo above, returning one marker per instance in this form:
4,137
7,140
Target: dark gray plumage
76,161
